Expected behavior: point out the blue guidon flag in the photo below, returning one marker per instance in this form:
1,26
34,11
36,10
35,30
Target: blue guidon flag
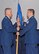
19,14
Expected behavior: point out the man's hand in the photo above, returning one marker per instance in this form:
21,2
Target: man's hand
18,28
17,34
18,24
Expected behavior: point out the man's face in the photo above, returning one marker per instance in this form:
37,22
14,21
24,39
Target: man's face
9,13
29,13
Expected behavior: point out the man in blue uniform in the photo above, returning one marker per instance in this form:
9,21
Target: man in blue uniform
30,33
7,32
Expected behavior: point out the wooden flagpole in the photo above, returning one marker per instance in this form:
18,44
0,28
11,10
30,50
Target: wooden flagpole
17,40
17,44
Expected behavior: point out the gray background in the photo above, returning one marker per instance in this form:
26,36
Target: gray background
25,4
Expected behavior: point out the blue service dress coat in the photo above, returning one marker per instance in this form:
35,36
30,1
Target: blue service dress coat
7,35
30,36
30,31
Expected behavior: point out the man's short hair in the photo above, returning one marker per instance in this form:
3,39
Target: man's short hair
7,9
32,10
